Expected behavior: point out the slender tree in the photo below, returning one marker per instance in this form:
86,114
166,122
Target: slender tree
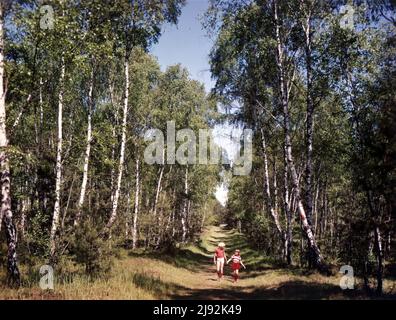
6,216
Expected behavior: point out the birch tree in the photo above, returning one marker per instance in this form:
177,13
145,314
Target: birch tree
139,26
87,150
6,216
284,96
58,168
136,207
123,144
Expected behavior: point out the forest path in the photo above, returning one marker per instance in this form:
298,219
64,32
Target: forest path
189,273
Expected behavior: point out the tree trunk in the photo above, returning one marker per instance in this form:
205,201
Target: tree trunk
379,254
41,105
288,213
315,209
170,217
185,204
160,227
155,232
136,211
1,219
12,267
283,86
388,243
58,182
174,198
112,174
159,187
270,207
173,223
377,242
24,209
310,112
275,185
128,214
87,151
114,136
122,151
188,215
5,211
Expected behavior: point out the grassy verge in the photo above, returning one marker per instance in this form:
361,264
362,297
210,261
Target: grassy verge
188,273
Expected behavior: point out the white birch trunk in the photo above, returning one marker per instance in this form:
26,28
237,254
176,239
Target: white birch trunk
315,209
316,255
58,169
128,214
136,211
113,132
18,118
173,224
87,151
275,185
310,112
122,150
168,222
273,213
24,209
41,103
155,205
112,174
172,215
5,210
157,194
185,204
380,258
288,212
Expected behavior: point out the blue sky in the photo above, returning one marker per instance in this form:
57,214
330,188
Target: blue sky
188,44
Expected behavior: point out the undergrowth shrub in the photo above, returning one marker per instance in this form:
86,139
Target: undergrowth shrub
91,250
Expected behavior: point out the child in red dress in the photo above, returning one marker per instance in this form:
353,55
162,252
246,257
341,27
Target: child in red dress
236,264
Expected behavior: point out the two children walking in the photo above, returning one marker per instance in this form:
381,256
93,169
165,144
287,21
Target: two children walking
220,258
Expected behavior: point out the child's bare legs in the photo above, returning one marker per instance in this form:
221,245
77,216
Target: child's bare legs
220,267
235,275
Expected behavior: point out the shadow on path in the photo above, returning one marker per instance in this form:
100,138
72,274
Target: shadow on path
199,260
296,290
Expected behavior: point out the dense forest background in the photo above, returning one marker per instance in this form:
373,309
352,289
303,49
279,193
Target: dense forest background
319,93
79,89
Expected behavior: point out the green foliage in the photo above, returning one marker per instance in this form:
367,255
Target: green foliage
90,249
36,241
352,89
